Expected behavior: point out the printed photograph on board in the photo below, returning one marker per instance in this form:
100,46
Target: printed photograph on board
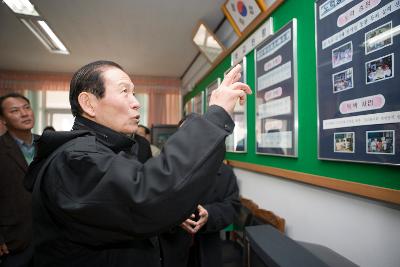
342,80
378,38
342,54
379,69
380,142
344,142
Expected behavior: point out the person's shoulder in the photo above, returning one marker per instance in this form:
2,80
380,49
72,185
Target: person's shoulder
7,140
85,143
64,143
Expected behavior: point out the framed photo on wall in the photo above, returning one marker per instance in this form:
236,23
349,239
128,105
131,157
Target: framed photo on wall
211,87
237,141
198,102
276,93
241,13
188,107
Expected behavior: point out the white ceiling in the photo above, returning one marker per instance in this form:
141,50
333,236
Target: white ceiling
147,37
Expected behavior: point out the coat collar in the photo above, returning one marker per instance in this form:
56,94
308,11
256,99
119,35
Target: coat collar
112,139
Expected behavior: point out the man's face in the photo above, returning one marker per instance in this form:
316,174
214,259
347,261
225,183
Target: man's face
119,108
17,114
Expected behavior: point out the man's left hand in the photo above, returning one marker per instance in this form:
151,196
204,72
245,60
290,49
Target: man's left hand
191,226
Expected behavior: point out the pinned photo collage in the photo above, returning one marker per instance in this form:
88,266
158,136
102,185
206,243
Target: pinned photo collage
342,80
376,70
379,69
378,38
357,84
344,142
342,54
380,142
376,142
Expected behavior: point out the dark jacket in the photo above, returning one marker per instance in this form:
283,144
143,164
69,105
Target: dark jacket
15,201
142,149
95,204
222,203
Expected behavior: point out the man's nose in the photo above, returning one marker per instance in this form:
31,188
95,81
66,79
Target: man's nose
134,103
23,112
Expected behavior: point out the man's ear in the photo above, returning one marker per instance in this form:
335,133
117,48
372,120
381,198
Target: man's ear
88,103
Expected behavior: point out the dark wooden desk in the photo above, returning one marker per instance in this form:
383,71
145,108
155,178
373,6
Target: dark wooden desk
269,247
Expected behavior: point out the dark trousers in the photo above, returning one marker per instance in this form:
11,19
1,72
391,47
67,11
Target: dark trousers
21,259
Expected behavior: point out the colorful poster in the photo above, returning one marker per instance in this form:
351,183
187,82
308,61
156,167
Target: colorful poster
276,93
358,48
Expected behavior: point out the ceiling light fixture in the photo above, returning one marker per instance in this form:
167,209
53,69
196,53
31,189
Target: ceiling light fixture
28,15
45,35
23,7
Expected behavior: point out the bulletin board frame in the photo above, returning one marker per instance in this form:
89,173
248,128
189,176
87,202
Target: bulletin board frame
373,181
239,117
188,108
358,107
211,87
198,103
276,93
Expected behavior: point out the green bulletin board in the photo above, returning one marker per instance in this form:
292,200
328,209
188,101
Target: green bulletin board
382,178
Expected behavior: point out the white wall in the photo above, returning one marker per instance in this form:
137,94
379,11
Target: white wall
365,231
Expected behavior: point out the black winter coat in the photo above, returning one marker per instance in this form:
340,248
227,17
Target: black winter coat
205,247
15,201
95,204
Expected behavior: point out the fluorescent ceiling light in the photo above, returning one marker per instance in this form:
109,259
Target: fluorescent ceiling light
52,36
26,12
21,7
43,32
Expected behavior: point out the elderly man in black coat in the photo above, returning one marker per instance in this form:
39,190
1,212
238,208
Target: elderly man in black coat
94,203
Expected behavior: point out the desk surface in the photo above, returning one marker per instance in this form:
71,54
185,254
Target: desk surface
276,249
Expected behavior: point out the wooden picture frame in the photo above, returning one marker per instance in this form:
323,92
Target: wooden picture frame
241,14
267,4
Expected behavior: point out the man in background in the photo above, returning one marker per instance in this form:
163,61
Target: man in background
3,128
16,153
146,133
196,242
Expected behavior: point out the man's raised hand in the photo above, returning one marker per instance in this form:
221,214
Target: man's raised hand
230,91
